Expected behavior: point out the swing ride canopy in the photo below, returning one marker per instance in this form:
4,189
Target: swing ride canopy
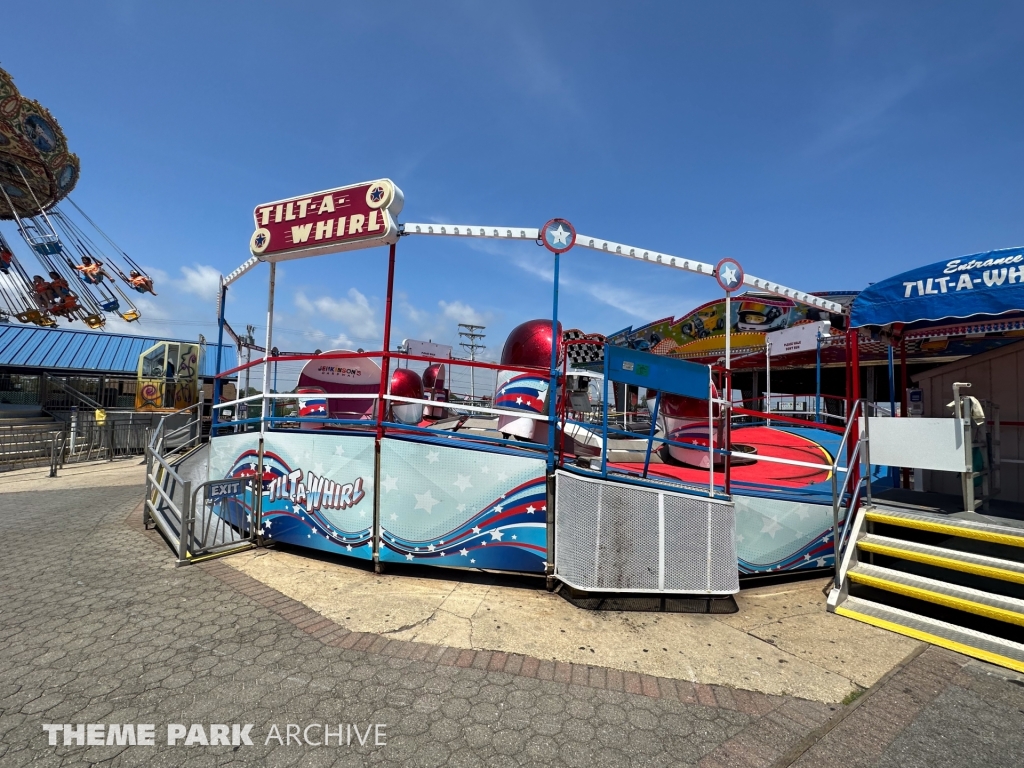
979,286
35,164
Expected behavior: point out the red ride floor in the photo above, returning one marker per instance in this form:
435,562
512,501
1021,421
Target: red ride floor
766,441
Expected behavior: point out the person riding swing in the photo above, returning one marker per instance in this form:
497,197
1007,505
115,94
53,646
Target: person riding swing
92,270
45,292
140,282
66,301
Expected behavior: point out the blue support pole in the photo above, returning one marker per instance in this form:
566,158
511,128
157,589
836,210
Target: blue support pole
604,418
217,383
556,342
817,391
654,428
892,384
894,472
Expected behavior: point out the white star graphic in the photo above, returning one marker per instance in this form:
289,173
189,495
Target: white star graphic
484,469
430,547
318,468
425,501
499,509
513,537
268,523
409,556
394,516
820,562
496,534
476,529
472,561
559,236
464,552
461,508
531,509
462,483
433,456
362,512
389,484
339,451
771,526
502,477
729,275
519,401
348,547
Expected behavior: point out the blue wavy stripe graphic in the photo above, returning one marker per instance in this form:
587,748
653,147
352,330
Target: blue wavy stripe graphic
818,553
509,533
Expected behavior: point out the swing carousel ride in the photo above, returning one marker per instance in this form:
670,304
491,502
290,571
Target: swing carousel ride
70,277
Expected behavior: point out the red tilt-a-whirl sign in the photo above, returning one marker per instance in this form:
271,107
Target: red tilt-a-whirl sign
342,219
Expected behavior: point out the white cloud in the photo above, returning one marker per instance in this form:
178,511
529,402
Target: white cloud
631,302
354,312
200,280
461,313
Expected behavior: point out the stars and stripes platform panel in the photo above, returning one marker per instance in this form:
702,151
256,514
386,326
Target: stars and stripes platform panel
956,581
611,536
458,507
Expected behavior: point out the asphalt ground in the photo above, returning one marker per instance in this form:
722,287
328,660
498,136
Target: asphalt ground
98,627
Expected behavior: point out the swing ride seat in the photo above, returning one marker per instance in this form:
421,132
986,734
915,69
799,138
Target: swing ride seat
30,316
95,321
131,315
110,306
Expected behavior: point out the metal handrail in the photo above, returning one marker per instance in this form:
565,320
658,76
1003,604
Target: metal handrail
68,389
840,533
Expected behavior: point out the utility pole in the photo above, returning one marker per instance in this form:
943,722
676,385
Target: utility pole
250,339
472,334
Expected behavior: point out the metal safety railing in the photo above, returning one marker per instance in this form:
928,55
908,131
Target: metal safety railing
857,445
198,521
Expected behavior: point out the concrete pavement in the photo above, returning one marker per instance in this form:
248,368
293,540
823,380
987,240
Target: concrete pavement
98,627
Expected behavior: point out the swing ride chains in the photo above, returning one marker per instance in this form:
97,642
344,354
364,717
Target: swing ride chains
41,298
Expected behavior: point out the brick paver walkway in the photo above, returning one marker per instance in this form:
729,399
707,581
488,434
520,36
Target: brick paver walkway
97,626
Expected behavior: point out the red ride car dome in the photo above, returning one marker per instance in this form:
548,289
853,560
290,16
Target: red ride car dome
529,344
433,377
407,383
681,407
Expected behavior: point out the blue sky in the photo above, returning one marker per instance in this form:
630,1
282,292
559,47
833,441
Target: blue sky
823,146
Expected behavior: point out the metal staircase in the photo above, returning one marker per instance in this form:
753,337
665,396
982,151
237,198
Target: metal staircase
956,581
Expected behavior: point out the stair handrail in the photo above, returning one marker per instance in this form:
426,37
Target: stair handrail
840,533
160,435
68,389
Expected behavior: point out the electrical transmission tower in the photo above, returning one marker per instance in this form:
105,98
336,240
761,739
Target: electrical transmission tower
472,335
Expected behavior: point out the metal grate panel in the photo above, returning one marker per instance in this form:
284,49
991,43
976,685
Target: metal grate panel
615,537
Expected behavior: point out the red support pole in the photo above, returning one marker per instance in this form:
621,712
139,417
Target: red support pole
386,357
854,366
904,404
849,388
